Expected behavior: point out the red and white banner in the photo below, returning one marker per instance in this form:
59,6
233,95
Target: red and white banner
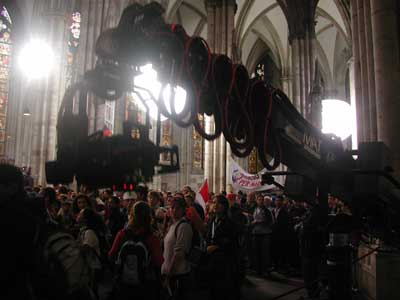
241,180
202,195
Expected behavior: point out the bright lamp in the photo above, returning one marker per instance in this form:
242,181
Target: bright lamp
337,118
148,86
36,59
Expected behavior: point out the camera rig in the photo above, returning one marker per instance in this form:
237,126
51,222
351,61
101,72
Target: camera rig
248,112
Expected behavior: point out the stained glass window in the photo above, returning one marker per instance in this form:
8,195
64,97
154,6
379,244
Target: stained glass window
197,149
260,71
134,114
166,140
5,53
109,115
73,45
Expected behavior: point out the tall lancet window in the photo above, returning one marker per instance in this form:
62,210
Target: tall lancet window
5,55
197,150
73,45
109,115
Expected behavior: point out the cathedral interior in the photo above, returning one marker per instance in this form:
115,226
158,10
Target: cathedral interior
315,51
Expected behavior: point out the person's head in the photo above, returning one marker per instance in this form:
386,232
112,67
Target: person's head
66,205
251,197
107,194
189,199
287,203
221,205
153,199
52,204
115,202
332,201
267,201
279,201
231,199
63,190
140,217
141,192
179,195
186,190
127,198
260,200
178,207
170,198
81,201
89,218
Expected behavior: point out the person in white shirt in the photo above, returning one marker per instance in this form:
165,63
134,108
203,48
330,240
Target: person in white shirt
177,244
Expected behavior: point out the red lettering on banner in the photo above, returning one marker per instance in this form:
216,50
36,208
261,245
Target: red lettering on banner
249,181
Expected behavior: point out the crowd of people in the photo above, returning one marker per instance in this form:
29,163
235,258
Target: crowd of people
155,245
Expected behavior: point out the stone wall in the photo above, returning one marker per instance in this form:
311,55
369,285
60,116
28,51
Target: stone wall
379,275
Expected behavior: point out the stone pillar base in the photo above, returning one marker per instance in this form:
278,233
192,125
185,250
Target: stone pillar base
379,275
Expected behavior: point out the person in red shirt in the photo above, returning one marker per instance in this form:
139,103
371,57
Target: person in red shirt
139,226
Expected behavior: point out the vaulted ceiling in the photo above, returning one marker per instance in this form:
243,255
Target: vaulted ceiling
261,26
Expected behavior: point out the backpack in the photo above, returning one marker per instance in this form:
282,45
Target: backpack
197,249
133,261
61,267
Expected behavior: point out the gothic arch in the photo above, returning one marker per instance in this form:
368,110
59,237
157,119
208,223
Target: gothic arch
265,29
173,6
323,13
344,10
190,14
258,50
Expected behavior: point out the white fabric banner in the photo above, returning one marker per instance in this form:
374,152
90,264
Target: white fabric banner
241,180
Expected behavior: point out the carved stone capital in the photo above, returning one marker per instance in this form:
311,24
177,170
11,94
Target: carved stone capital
220,3
300,15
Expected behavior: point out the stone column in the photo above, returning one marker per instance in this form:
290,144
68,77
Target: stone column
316,101
357,73
208,156
300,16
95,18
220,22
354,137
49,22
386,51
296,70
371,71
363,68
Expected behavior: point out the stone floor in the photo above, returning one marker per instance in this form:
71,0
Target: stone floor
254,288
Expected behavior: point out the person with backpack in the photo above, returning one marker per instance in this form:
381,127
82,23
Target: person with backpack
177,245
89,238
136,252
42,262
